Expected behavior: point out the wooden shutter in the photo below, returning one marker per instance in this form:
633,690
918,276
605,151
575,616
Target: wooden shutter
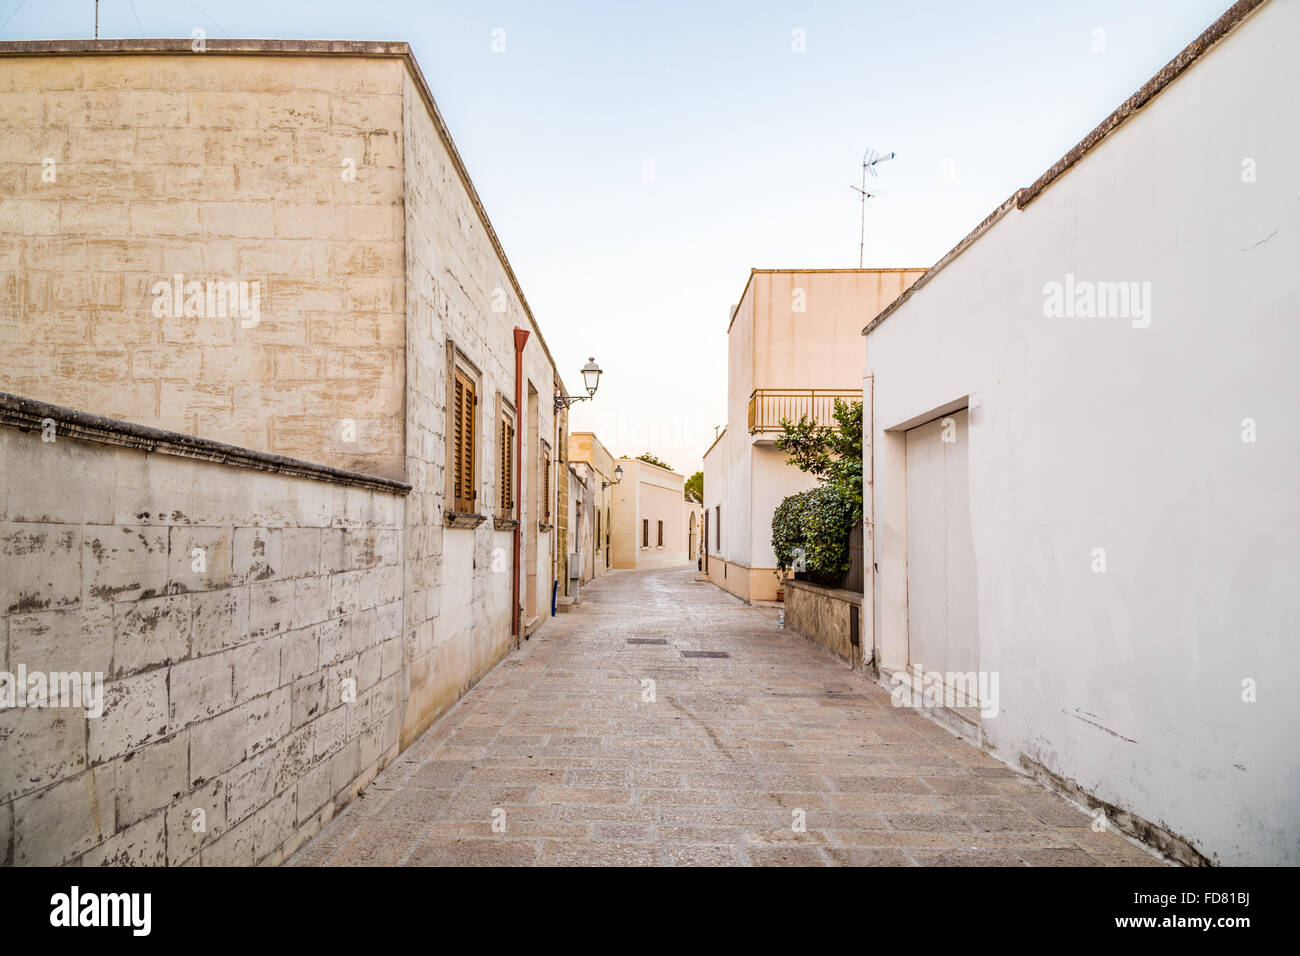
661,534
645,532
507,464
546,486
462,422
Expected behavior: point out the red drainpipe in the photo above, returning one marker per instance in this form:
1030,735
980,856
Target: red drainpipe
521,339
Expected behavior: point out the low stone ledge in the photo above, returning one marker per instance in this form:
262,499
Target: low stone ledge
28,414
826,616
504,524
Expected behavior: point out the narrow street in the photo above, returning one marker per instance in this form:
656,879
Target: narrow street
558,746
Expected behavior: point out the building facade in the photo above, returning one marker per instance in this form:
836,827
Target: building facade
790,348
586,450
649,520
1082,474
278,445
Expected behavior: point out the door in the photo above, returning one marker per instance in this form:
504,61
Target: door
941,610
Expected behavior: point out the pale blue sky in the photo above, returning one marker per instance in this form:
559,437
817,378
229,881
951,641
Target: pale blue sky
753,145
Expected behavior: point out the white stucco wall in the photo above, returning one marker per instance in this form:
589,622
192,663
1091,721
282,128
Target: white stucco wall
1093,433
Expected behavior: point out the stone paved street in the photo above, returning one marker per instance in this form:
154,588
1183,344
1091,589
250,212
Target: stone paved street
711,773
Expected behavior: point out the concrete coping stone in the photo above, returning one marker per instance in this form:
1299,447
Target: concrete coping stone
28,414
838,594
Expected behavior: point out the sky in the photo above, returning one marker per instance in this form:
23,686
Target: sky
637,159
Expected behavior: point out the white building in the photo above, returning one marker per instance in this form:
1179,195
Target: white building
1085,438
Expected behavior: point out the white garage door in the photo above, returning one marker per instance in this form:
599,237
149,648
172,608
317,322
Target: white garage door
940,551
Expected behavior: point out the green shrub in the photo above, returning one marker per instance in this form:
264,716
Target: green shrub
814,525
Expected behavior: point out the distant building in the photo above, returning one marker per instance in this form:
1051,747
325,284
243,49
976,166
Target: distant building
791,348
650,518
587,454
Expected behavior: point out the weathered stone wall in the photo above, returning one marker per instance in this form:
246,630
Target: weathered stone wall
224,686
824,616
118,172
229,165
458,580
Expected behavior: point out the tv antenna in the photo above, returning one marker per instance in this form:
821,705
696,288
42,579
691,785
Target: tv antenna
870,159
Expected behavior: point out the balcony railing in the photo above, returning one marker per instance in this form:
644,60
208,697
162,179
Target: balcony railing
769,406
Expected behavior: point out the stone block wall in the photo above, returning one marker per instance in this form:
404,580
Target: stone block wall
283,172
825,616
459,292
227,609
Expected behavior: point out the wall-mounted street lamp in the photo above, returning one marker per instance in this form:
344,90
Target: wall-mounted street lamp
618,476
590,378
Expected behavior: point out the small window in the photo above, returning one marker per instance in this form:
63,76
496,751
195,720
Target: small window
462,415
506,460
661,534
645,532
546,483
717,529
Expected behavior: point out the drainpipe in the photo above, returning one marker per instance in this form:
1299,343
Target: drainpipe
521,339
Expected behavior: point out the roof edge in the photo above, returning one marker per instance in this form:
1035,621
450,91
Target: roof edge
382,48
1170,72
948,257
812,271
1216,31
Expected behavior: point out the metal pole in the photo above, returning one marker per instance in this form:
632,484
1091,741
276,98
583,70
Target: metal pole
862,231
96,19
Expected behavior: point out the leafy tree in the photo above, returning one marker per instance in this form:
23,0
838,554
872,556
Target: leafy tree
810,531
695,487
646,456
832,455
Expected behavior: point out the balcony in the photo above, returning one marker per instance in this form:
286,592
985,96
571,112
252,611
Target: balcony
769,406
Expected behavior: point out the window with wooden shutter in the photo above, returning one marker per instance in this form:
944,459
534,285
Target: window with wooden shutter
661,534
506,478
645,532
462,424
546,484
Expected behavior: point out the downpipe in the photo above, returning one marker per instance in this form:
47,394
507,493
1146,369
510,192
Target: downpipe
521,339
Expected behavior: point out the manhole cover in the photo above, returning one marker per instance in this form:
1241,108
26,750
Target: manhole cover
705,654
646,640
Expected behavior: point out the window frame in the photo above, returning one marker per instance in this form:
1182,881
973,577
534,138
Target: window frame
507,493
464,414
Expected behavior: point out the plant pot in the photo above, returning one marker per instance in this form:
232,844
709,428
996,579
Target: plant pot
780,594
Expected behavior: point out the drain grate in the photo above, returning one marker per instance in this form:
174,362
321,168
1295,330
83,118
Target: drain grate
646,640
705,654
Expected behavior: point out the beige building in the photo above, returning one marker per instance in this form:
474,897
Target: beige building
790,347
693,521
599,471
650,523
279,444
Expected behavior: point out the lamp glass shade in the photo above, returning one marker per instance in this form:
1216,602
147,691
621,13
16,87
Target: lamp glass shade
618,472
591,375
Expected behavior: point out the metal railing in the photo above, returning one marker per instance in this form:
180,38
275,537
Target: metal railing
769,406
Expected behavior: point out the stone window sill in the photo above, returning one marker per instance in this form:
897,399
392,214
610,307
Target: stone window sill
461,519
504,524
